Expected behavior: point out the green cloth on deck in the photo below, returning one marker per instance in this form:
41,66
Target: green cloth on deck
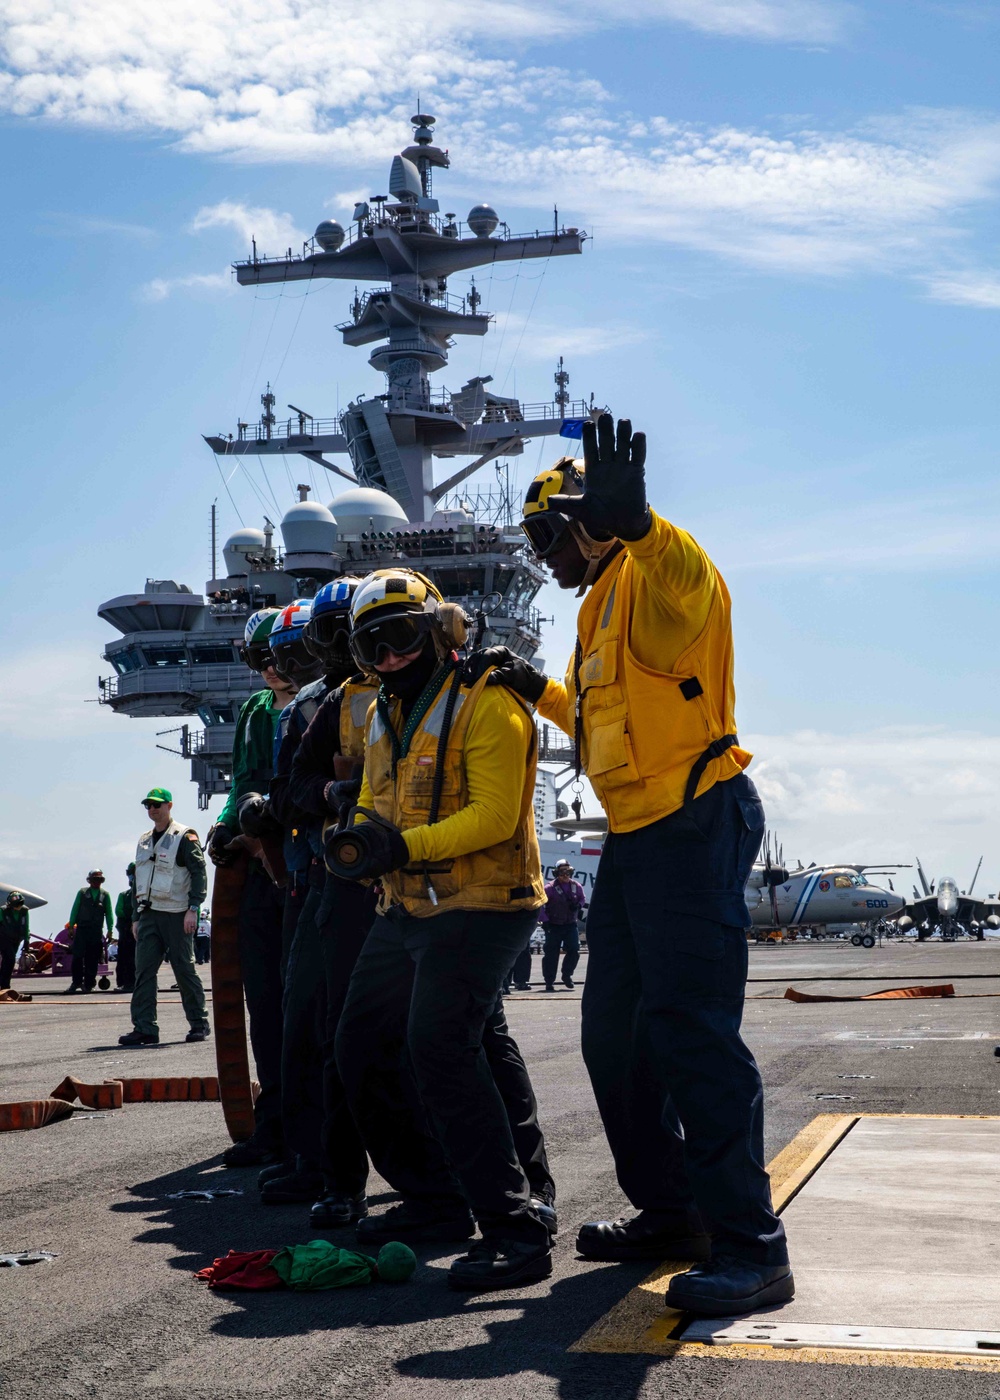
320,1264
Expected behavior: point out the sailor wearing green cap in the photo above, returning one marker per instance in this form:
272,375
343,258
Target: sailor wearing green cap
170,886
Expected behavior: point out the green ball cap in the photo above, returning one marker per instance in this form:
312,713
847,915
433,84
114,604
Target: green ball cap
396,1262
158,795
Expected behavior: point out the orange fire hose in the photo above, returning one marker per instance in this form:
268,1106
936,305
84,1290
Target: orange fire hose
35,1113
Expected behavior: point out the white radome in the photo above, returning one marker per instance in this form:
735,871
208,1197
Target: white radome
363,509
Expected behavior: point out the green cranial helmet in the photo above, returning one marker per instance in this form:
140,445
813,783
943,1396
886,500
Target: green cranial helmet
256,651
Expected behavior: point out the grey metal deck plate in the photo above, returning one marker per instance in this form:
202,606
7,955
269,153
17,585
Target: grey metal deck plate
898,1229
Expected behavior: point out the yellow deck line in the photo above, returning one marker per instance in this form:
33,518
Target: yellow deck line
641,1325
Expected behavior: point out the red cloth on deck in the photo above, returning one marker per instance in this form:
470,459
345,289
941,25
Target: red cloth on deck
242,1269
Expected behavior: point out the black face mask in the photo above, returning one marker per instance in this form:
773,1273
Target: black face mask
338,671
407,683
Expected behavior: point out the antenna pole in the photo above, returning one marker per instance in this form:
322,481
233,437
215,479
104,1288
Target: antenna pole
213,539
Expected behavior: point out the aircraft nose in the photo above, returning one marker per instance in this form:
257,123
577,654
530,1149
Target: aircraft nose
896,903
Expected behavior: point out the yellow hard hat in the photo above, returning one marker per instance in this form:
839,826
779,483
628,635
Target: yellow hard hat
547,530
392,610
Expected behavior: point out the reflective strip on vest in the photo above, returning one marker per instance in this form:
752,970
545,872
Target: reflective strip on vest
355,703
504,877
160,882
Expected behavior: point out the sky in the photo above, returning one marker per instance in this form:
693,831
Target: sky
792,285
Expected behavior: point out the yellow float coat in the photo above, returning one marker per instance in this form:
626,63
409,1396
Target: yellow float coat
658,616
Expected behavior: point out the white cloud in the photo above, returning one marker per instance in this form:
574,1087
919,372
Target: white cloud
968,289
299,80
278,75
159,288
884,795
273,232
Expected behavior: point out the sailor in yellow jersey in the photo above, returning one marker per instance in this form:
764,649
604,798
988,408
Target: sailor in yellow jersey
446,823
649,700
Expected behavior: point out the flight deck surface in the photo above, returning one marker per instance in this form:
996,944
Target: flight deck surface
117,1313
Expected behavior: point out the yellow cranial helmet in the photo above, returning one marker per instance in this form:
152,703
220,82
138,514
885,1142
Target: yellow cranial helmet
547,530
394,610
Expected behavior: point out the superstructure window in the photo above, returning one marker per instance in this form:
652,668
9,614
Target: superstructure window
165,656
213,656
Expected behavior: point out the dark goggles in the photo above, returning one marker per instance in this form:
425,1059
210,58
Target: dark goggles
152,806
256,655
293,661
547,532
400,634
329,634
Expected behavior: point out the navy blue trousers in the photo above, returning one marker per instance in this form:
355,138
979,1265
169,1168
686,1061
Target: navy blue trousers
678,1090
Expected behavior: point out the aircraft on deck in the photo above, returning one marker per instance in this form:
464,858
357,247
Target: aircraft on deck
31,901
816,895
948,908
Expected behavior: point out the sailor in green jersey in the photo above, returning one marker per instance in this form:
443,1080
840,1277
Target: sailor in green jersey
90,918
262,902
13,935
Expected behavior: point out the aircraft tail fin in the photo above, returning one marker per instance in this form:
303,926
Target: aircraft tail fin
976,875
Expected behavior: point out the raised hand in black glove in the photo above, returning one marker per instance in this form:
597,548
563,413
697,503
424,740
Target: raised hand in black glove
613,504
364,852
255,816
512,671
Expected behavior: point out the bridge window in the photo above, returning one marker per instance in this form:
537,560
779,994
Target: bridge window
165,656
125,661
213,656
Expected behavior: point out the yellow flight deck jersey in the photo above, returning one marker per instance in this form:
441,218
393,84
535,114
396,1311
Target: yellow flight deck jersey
655,661
482,852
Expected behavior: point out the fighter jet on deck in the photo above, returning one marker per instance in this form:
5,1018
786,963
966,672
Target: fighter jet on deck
947,907
31,901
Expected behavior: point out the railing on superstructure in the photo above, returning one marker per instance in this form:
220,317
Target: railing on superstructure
180,678
303,428
442,301
405,219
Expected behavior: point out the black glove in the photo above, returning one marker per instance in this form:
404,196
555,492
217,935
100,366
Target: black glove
512,671
342,794
219,840
365,852
613,504
255,816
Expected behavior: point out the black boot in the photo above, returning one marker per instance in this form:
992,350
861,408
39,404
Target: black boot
283,1168
201,1032
729,1287
645,1236
137,1038
497,1263
546,1213
294,1189
255,1152
333,1211
418,1222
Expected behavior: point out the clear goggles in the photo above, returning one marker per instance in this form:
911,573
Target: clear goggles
399,634
547,532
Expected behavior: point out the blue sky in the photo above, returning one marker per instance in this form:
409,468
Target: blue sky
793,286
